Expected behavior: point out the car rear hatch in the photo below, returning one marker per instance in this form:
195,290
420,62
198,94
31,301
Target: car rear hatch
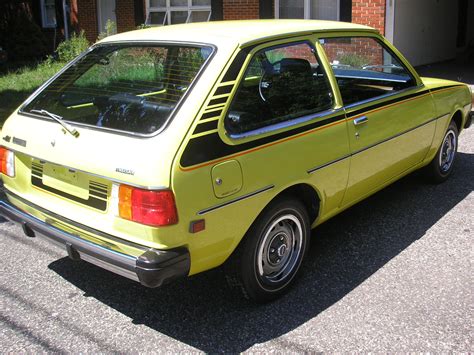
98,126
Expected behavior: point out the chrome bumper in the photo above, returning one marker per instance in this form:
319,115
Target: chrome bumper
152,268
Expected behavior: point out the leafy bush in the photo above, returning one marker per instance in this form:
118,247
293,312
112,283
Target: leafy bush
71,48
143,26
353,60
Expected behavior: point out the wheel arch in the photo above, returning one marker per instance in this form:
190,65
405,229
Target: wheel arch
457,118
306,194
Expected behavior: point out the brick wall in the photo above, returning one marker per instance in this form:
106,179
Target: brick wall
241,9
125,12
370,13
84,17
365,50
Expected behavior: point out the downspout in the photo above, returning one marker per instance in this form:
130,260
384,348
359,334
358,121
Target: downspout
66,22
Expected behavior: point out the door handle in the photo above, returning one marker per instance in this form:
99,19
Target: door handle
360,120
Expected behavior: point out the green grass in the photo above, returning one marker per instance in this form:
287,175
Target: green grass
17,85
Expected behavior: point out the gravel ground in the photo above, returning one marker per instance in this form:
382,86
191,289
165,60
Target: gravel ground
394,273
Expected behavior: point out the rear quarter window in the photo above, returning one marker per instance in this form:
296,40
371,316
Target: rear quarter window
281,83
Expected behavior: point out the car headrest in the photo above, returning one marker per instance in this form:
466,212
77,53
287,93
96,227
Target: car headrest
295,66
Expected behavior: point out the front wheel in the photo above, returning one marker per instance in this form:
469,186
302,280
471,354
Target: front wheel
442,164
273,250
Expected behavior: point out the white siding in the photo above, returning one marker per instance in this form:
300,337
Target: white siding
425,30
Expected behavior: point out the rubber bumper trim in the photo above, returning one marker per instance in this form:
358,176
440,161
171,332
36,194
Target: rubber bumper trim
153,268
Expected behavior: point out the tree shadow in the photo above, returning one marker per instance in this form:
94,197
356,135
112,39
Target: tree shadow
204,313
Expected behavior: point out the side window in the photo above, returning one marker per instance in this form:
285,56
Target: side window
364,68
281,83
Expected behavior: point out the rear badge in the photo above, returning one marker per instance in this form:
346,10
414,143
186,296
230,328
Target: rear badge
19,141
125,171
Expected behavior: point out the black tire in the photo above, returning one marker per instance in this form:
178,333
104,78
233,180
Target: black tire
442,164
269,258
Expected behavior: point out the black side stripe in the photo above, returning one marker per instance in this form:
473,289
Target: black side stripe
237,64
207,126
210,147
221,100
385,103
207,210
92,201
211,114
226,89
372,146
398,99
446,87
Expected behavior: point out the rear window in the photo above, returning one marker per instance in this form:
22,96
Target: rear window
133,88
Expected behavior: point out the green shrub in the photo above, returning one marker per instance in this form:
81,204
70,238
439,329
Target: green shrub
354,60
71,48
143,26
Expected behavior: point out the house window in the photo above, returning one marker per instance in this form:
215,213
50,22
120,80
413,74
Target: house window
48,13
170,12
308,9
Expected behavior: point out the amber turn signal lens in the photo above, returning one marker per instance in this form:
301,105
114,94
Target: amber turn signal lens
125,202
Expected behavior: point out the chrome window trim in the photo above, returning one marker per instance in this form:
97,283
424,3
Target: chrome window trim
284,125
381,97
117,131
366,78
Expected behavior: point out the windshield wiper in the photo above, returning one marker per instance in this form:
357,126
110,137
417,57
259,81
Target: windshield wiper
71,130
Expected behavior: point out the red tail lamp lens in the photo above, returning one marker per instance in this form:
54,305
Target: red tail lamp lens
153,208
7,162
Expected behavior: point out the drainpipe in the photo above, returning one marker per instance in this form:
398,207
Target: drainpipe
66,29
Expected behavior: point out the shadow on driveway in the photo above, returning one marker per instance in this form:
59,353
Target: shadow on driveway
203,312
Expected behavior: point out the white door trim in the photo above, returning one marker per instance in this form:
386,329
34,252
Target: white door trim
99,16
390,20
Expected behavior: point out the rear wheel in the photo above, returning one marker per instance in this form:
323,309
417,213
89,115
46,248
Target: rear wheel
273,250
442,164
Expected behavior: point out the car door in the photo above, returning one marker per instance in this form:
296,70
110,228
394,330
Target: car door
390,113
272,122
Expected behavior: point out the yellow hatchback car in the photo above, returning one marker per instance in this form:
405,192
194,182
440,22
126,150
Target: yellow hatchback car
164,152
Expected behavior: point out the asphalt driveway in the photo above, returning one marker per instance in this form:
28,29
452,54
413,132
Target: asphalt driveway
394,273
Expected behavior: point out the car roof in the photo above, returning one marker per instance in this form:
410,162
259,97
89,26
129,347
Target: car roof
237,32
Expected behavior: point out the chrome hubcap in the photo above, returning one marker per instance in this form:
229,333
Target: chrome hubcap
280,249
448,150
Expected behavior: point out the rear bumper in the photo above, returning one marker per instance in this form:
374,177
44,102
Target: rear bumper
152,268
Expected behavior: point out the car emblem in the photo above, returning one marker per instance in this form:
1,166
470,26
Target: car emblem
53,142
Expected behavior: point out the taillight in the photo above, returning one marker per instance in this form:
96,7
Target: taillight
7,162
151,207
